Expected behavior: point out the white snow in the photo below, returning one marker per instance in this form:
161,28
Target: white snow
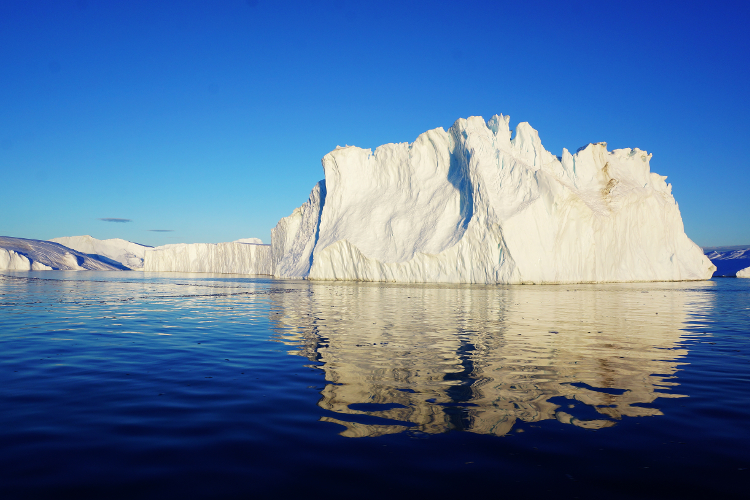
125,252
744,273
470,205
256,241
229,258
21,254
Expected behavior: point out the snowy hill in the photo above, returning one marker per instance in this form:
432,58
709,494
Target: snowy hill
729,260
472,205
22,254
118,250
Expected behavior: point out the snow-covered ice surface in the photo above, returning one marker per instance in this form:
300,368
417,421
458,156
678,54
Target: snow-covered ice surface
228,258
472,205
729,260
256,241
743,273
21,254
125,252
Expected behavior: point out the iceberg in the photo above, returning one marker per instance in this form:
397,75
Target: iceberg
117,250
475,205
21,254
744,273
13,261
227,258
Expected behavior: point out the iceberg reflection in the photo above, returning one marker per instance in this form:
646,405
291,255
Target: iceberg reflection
435,358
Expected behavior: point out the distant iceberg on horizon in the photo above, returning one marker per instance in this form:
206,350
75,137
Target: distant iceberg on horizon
472,205
729,260
116,250
22,254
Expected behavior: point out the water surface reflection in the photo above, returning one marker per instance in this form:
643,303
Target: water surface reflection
430,359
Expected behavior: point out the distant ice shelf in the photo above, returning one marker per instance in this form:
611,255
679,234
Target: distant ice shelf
228,258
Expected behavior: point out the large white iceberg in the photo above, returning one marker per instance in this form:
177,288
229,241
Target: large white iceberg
744,273
228,258
21,254
472,205
125,252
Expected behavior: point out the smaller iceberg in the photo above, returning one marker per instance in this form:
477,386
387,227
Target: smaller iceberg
115,250
744,273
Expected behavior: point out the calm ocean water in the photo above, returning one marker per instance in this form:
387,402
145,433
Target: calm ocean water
132,385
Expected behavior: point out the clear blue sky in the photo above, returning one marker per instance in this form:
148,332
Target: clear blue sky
209,119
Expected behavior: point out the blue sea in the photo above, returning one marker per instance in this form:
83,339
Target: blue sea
133,385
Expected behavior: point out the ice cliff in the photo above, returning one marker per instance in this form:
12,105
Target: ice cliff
229,258
20,254
121,251
473,205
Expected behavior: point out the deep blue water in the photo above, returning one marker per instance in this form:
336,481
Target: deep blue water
132,385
